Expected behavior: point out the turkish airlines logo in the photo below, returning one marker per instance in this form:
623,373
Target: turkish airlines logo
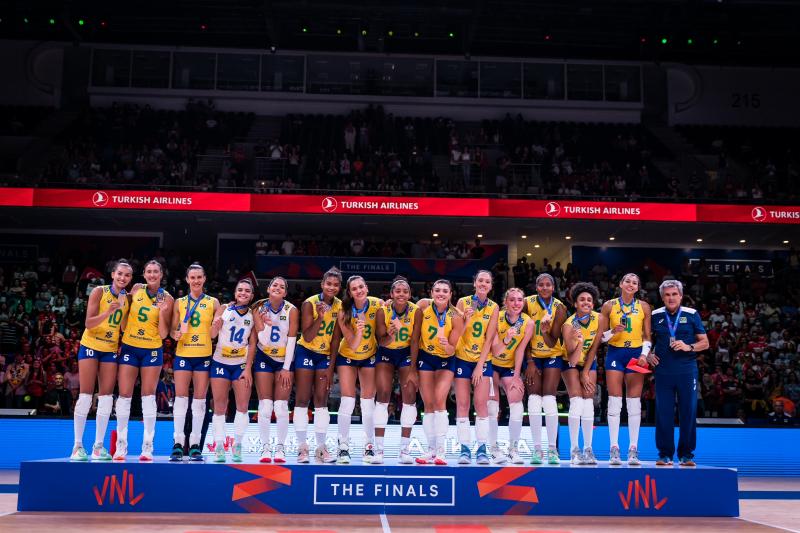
552,209
759,214
329,204
100,199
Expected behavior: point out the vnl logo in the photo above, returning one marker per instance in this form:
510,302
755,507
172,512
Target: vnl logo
114,492
418,491
644,494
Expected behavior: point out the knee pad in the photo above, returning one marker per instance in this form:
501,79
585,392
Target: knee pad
123,406
614,405
442,422
493,408
381,414
575,407
550,406
240,422
149,407
346,406
322,419
534,405
634,406
408,415
265,410
198,408
515,411
367,407
301,418
83,405
181,405
281,408
588,408
104,405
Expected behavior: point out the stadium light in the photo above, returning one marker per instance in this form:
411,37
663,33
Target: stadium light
699,240
524,236
536,246
742,241
451,34
480,235
568,237
612,238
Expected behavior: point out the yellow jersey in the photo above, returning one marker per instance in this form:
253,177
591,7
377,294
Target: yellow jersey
506,358
369,339
536,312
196,342
589,331
402,339
321,343
430,330
105,336
632,336
142,328
471,341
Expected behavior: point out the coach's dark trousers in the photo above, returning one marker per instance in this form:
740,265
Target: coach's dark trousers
685,387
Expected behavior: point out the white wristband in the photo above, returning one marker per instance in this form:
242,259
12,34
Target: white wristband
290,344
646,347
607,334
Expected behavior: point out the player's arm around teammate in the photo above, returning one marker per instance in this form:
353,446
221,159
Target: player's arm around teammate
106,314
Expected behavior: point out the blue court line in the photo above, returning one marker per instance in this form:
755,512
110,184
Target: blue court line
9,489
769,495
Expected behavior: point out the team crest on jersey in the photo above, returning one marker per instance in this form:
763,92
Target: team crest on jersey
109,300
247,322
195,338
282,317
334,315
474,347
365,347
372,316
109,334
140,299
486,317
202,306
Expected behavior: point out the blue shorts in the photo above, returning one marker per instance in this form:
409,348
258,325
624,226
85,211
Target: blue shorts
617,358
358,363
141,357
103,357
265,363
464,369
229,372
399,357
430,363
565,365
305,359
191,364
507,372
547,362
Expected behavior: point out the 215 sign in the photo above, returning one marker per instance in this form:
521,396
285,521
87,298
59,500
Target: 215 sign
746,100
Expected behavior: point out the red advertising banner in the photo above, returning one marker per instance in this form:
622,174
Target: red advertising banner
398,206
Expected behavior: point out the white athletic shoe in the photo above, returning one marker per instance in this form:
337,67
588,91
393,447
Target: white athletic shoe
613,456
498,457
513,455
99,453
280,454
369,454
302,453
633,456
147,452
588,456
405,457
426,458
322,455
79,455
266,455
575,456
122,450
439,459
377,459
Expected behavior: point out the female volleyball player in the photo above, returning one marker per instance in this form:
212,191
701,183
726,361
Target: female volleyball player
142,351
544,369
473,370
231,367
276,323
628,338
514,332
191,329
442,326
581,332
356,361
106,315
399,323
313,370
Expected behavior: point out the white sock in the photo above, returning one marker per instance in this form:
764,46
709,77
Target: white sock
240,423
123,412
575,410
481,429
381,419
515,421
368,418
322,419
587,421
104,405
264,420
282,420
634,419
218,424
346,406
493,408
301,423
179,408
442,424
551,419
82,408
198,414
149,411
614,410
463,431
535,417
429,428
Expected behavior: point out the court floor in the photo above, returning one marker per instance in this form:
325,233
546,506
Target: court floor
766,504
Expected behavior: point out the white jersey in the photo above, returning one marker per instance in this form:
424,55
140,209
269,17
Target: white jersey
272,339
234,337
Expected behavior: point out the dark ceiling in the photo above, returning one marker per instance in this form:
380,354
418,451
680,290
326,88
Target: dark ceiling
721,31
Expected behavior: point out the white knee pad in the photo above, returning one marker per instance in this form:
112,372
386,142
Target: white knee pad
408,415
83,405
240,423
104,405
265,411
442,423
550,406
301,418
493,408
588,409
180,406
281,409
615,405
218,427
515,411
123,406
381,414
322,419
534,405
367,408
198,411
575,407
149,407
634,406
346,406
462,430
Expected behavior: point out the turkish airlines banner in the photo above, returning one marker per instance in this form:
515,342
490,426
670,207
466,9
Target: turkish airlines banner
397,206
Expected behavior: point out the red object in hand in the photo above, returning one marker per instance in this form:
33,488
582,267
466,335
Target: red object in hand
633,364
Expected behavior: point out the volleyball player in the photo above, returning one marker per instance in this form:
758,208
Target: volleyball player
544,369
514,332
628,338
191,329
582,334
142,351
399,322
442,326
473,368
232,367
276,323
313,370
106,316
356,361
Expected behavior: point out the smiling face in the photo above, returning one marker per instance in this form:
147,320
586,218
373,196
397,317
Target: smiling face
122,276
358,289
243,293
482,284
277,288
629,284
584,304
400,294
153,274
544,287
514,301
331,286
441,294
